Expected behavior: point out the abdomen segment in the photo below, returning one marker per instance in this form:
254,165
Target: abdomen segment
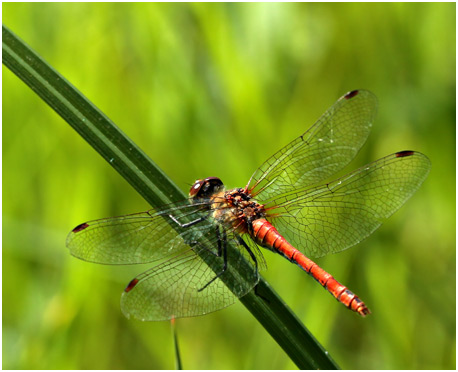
267,236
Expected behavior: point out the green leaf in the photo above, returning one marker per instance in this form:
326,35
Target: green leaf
155,187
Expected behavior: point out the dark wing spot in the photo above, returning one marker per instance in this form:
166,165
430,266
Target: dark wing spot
351,94
80,227
131,285
402,154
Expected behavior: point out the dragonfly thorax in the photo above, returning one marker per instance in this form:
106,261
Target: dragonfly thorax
236,208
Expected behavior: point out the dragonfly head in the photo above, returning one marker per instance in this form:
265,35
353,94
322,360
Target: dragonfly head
203,189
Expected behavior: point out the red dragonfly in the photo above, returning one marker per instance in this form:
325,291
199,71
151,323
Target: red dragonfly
285,207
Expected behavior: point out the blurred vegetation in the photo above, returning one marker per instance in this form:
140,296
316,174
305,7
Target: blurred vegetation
213,90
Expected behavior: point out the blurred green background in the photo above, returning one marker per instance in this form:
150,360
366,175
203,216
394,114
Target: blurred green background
213,90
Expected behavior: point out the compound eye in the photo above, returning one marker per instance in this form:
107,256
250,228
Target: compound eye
196,188
206,188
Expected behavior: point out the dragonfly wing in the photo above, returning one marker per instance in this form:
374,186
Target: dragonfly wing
190,278
137,238
327,147
338,215
186,286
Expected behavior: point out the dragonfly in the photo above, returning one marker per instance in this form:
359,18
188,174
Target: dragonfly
202,243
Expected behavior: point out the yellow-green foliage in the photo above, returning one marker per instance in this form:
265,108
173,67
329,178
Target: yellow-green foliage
213,90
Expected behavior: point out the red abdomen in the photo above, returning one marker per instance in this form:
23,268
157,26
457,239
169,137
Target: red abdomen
267,236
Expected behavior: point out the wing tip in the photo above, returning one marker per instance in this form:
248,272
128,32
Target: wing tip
351,94
80,227
131,285
405,153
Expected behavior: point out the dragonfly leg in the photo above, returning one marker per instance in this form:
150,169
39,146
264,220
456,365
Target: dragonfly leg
222,251
253,257
188,224
250,252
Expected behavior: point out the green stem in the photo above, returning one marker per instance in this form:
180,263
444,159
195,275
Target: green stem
155,187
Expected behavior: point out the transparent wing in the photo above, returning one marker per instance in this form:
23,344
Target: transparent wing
140,237
338,215
180,287
191,255
327,147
